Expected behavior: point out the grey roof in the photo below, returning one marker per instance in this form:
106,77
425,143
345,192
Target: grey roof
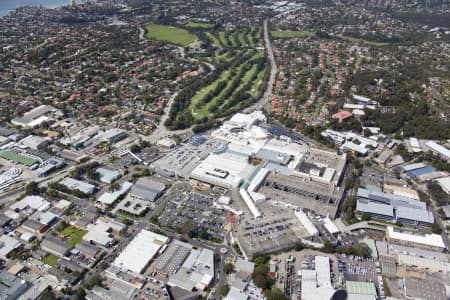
244,266
446,210
147,189
107,175
55,245
419,215
181,294
390,199
4,220
38,111
375,208
11,287
273,156
174,256
74,184
32,224
6,132
88,249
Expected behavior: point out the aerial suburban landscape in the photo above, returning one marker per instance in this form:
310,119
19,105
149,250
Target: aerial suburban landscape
220,149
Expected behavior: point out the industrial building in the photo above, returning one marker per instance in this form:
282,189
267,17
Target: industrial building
393,208
425,241
444,184
316,284
37,116
441,150
108,176
100,233
171,260
196,272
146,189
140,251
12,287
108,198
74,184
358,290
7,245
114,135
55,245
34,142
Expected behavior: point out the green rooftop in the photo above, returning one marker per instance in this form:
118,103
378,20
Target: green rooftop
360,288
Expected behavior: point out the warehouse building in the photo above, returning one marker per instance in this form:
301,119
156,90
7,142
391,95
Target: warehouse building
358,290
12,287
444,184
108,198
7,245
37,116
196,272
425,241
316,284
114,135
146,189
108,176
140,251
100,233
172,259
56,246
74,184
441,150
34,142
393,208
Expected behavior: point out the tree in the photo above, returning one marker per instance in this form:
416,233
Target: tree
127,222
228,268
435,228
135,148
275,294
32,188
224,289
81,294
365,217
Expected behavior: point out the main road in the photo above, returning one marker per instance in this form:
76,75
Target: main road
264,101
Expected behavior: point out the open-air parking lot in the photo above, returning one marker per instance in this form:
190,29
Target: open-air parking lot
358,268
274,232
194,210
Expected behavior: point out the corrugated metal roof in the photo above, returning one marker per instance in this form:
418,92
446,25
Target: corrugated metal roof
375,208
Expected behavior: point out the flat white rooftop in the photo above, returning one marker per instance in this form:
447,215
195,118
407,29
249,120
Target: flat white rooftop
140,251
434,240
226,169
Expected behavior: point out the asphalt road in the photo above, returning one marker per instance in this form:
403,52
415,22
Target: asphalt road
264,101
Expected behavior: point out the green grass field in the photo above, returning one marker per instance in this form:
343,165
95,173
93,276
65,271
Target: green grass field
170,34
75,235
242,71
290,34
214,39
50,260
199,25
362,41
258,82
24,160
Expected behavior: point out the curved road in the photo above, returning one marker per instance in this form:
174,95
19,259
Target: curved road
273,72
162,131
